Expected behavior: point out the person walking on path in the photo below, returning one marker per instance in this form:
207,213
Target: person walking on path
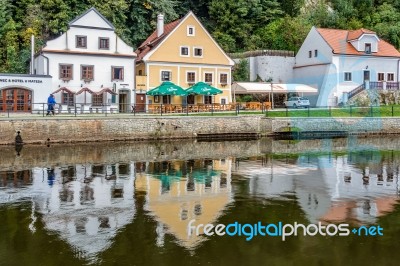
50,104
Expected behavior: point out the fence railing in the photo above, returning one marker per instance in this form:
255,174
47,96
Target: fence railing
347,111
78,109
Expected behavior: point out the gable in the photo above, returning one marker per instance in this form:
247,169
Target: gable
338,40
168,50
314,42
91,18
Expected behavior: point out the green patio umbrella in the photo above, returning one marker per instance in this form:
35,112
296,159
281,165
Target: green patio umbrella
203,88
167,88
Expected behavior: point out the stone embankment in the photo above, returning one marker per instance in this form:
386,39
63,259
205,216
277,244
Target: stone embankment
156,128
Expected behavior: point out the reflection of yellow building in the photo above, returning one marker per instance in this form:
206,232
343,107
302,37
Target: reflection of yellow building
185,53
187,198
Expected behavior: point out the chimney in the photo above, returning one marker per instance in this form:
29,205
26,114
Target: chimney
160,25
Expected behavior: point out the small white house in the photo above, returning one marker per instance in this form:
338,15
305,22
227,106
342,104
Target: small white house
92,68
338,61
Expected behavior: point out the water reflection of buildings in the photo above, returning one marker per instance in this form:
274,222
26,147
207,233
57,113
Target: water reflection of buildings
85,204
179,191
356,187
88,204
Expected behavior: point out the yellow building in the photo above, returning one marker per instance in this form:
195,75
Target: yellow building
200,195
184,53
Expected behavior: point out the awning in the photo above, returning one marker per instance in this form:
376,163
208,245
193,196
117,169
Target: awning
263,87
105,90
84,90
63,89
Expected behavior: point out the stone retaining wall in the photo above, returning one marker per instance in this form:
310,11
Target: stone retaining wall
70,130
82,130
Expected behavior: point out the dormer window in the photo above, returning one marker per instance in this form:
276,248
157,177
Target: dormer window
367,48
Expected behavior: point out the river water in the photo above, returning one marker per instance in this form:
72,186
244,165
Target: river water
141,203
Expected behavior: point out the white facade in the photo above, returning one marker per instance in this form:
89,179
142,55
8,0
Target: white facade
19,91
89,55
328,63
275,66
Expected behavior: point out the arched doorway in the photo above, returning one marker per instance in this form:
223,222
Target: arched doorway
15,100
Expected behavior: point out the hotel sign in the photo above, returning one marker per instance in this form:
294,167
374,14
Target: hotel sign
20,80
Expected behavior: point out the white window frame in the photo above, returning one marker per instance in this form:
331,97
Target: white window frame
195,76
365,48
351,76
219,78
165,70
223,98
190,27
384,76
212,75
180,51
387,76
194,53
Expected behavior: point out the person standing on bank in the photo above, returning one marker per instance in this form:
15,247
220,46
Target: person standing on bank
50,104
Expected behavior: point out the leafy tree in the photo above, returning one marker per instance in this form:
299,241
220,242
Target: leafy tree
291,7
284,34
239,19
115,12
5,15
320,14
241,71
143,17
386,22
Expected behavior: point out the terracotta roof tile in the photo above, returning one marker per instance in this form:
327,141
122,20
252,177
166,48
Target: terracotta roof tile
152,41
338,40
355,34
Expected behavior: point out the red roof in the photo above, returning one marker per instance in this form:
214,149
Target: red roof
339,41
355,34
152,41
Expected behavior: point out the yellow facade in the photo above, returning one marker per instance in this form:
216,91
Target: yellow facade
203,57
176,207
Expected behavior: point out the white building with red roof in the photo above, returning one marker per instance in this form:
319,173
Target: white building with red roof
342,63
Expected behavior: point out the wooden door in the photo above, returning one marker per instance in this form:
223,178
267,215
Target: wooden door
140,102
15,100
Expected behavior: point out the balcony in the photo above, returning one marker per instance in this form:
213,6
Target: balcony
384,85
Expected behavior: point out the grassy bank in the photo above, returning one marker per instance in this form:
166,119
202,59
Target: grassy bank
372,111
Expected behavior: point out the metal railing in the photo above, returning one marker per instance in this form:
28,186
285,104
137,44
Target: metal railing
347,111
200,108
81,109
